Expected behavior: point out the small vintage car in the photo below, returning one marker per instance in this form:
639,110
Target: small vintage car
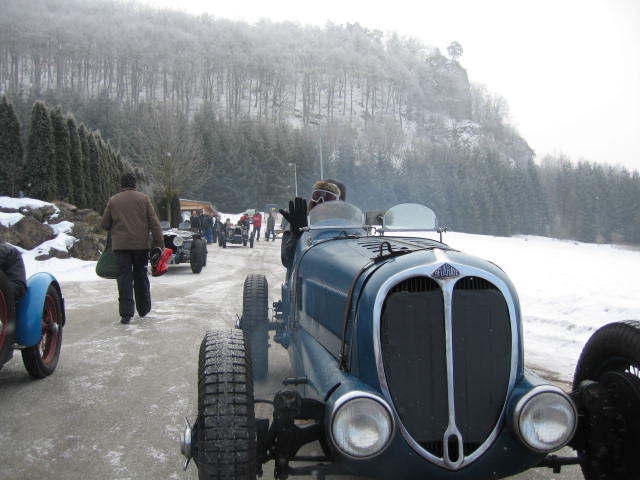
408,364
188,247
35,326
236,235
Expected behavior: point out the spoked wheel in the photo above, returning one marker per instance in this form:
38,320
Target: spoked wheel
225,431
7,319
198,253
608,377
255,323
41,359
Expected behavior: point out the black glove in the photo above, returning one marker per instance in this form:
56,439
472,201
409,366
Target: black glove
154,255
296,216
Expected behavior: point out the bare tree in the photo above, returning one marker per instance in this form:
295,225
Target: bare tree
455,50
172,161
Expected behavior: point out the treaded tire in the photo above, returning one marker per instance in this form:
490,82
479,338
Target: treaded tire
255,323
198,252
226,428
612,358
41,359
7,319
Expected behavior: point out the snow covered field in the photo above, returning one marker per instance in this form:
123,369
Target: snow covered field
567,289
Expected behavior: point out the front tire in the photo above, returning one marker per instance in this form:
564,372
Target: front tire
41,359
611,360
7,319
225,429
255,323
198,255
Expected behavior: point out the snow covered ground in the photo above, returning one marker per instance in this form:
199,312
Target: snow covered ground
567,289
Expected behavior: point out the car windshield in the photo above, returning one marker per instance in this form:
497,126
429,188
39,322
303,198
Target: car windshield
409,217
335,214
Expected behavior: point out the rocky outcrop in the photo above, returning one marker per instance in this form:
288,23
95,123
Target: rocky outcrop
38,225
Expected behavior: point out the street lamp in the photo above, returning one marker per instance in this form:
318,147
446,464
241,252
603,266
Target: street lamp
295,175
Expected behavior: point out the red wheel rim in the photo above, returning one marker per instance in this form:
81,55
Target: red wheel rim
50,331
4,318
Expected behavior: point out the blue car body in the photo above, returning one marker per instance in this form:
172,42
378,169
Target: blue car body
29,313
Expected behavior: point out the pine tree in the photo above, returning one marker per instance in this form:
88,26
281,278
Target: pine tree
62,149
79,197
40,170
11,151
95,165
89,193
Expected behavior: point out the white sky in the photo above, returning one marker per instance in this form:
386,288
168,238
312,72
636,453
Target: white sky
569,69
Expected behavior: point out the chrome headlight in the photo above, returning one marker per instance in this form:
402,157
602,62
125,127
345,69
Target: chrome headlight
361,425
545,419
178,240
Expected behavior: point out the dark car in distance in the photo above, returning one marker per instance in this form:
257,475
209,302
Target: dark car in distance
187,246
408,364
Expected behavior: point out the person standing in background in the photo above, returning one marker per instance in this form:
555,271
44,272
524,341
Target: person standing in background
130,217
257,224
271,227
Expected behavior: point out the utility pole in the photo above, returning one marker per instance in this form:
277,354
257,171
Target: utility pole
295,176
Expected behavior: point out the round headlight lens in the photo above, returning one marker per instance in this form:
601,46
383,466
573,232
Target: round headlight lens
361,427
546,421
178,240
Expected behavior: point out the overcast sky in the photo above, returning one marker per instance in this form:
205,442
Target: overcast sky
569,69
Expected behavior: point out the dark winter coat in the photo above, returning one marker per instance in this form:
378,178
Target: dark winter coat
130,217
13,267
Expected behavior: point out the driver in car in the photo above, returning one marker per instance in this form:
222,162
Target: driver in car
325,190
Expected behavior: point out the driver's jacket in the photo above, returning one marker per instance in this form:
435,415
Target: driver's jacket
12,266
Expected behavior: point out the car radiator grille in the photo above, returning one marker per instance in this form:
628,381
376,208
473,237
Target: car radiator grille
413,339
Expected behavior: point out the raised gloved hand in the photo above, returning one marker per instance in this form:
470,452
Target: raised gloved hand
297,215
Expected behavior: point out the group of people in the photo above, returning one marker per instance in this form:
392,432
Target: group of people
130,217
203,224
256,220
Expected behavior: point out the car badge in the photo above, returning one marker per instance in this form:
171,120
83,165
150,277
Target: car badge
445,271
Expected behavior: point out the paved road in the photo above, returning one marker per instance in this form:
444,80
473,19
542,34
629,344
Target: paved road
114,408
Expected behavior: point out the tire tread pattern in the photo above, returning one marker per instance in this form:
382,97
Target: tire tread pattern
226,422
255,319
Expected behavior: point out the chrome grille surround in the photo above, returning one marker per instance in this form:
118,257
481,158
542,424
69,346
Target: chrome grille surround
447,286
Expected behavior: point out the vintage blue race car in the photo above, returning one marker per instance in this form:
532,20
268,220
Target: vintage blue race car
408,364
35,326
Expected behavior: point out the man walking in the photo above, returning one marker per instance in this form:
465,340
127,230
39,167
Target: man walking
129,217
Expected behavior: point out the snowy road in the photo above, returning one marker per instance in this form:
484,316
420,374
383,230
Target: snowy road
114,408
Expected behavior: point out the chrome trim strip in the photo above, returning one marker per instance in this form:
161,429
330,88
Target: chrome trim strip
351,396
446,286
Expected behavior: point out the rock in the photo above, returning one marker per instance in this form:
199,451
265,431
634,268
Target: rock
90,242
31,233
41,214
8,235
53,253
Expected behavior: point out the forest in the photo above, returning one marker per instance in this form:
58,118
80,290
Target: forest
241,115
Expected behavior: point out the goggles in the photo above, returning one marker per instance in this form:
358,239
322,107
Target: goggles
320,196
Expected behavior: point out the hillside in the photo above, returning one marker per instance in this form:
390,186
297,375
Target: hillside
223,110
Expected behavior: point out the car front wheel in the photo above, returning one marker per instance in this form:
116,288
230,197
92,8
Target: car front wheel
41,359
225,431
255,322
608,379
198,252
